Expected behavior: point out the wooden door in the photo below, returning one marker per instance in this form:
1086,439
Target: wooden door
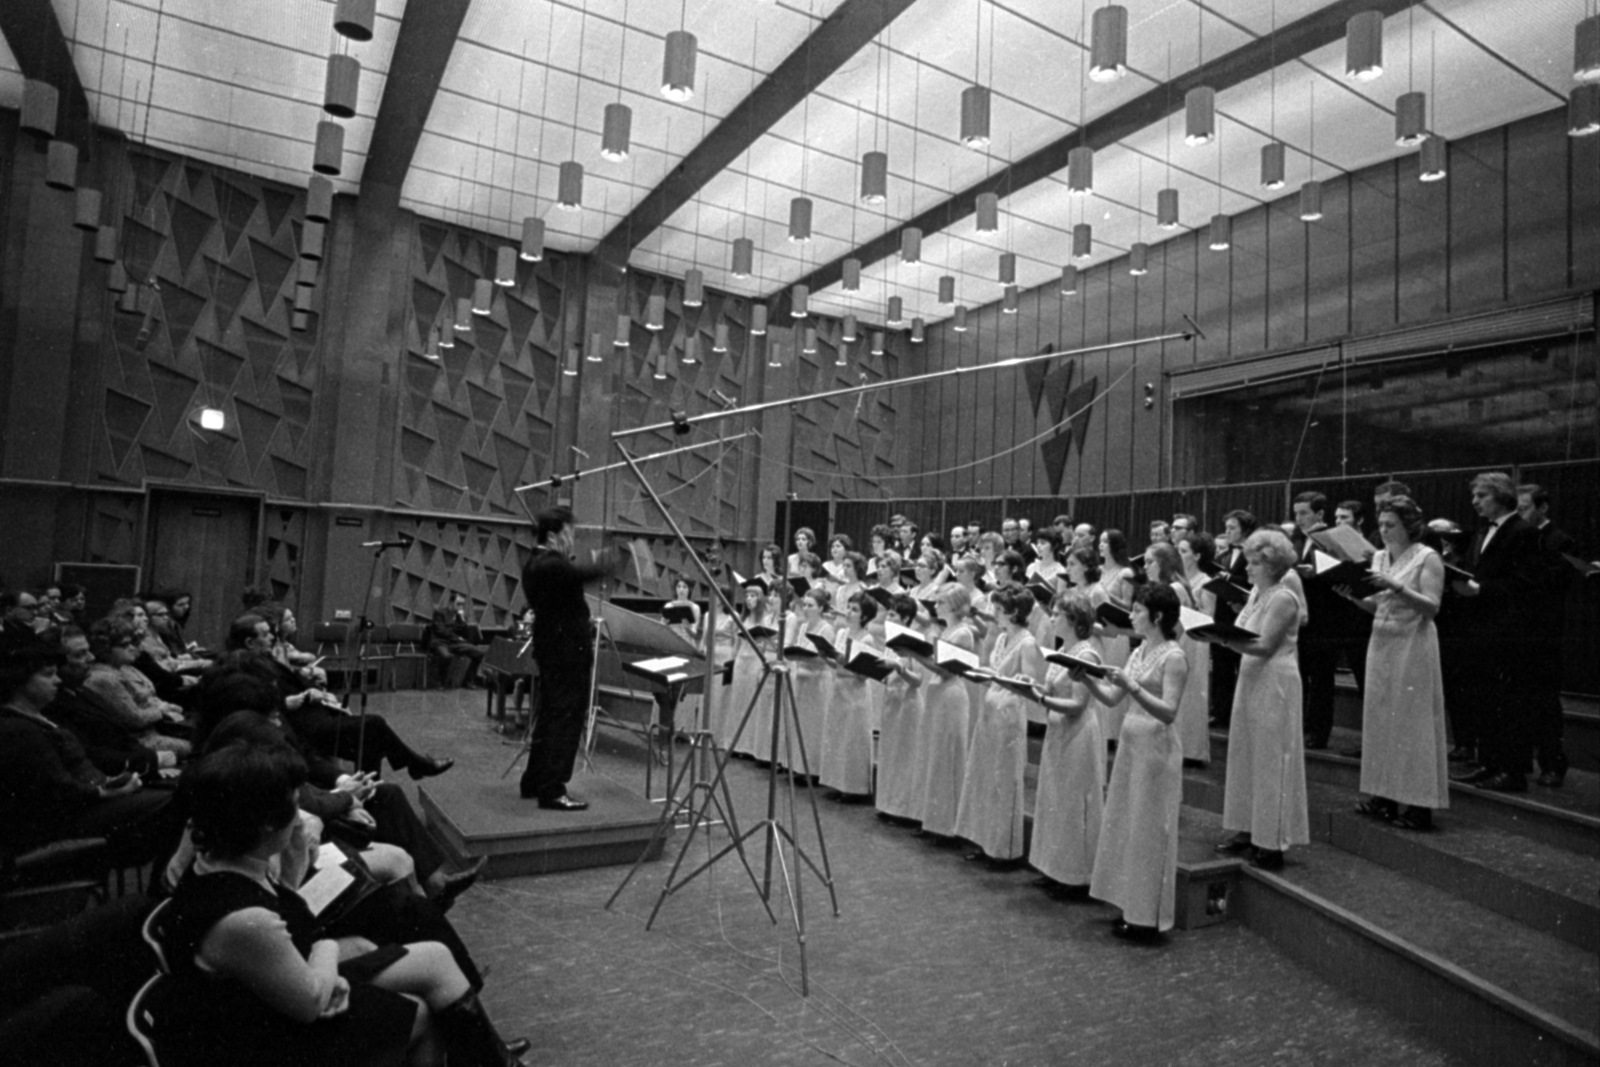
205,544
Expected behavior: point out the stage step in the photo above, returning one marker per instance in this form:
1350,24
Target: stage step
1489,990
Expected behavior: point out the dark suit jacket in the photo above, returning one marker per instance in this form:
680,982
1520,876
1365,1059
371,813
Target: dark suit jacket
109,746
1510,573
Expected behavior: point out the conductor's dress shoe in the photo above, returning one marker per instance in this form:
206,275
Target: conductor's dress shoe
564,802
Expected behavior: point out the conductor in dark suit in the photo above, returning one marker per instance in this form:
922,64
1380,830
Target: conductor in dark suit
563,648
1550,619
1498,609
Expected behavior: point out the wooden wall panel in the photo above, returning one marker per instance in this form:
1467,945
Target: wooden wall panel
1213,291
956,445
1536,203
1422,249
1372,249
1071,333
1328,264
1179,269
1583,211
1124,319
1148,426
1477,221
1286,274
990,398
1247,314
1048,335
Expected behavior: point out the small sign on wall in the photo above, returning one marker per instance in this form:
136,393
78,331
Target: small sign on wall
349,520
207,513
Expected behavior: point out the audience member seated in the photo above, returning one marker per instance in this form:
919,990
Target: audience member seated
49,789
109,745
355,808
127,693
65,989
19,613
451,635
285,628
319,719
152,659
250,980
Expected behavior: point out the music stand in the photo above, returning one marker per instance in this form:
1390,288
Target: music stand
715,793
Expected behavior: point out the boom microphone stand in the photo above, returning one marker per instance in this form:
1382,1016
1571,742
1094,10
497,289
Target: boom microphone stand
364,626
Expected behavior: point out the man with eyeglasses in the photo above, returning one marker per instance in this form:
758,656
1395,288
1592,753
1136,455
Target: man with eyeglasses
19,612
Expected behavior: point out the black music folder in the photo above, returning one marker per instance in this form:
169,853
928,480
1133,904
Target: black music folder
674,613
1114,615
1093,670
1226,591
1199,625
825,648
869,662
905,639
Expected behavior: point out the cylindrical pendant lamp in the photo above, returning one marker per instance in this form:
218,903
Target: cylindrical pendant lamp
874,177
809,344
1082,241
1080,170
447,335
354,19
655,312
959,322
302,298
61,166
328,157
117,279
569,368
988,213
593,355
947,289
1167,209
677,67
1311,201
483,296
1583,110
719,341
319,199
312,238
660,371
841,356
895,314
306,277
1272,165
1108,43
532,239
300,321
758,320
431,349
850,280
774,355
694,288
1220,236
128,302
691,351
848,332
744,257
1008,300
40,105
505,266
918,331
463,314
624,334
1431,158
1069,280
1410,119
911,245
877,342
1586,50
569,186
975,116
800,302
1139,259
1199,115
340,88
800,219
616,133
1363,46
1008,268
86,214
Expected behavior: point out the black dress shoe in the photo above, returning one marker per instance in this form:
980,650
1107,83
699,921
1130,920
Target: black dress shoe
1472,775
1267,859
1378,808
1315,744
455,884
564,802
1416,819
1504,783
427,767
1462,754
1234,845
1128,931
1553,779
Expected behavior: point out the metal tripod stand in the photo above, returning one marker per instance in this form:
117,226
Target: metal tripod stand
704,796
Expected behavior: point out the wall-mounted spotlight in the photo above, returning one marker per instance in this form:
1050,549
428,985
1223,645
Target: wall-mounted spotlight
212,419
1149,395
680,423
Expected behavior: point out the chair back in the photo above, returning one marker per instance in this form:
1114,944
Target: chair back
378,635
141,1019
333,634
153,932
407,633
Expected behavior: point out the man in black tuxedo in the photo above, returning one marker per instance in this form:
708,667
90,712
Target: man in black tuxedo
1236,526
1328,629
563,647
1549,624
1498,606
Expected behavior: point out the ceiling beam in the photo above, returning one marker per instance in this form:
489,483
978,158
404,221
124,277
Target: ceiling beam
1291,42
853,25
34,33
428,33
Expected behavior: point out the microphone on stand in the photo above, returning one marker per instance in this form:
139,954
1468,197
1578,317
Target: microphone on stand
405,541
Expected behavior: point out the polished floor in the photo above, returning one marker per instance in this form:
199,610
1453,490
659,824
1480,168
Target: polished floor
932,960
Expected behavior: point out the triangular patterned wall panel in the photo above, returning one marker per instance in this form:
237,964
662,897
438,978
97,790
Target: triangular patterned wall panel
217,244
